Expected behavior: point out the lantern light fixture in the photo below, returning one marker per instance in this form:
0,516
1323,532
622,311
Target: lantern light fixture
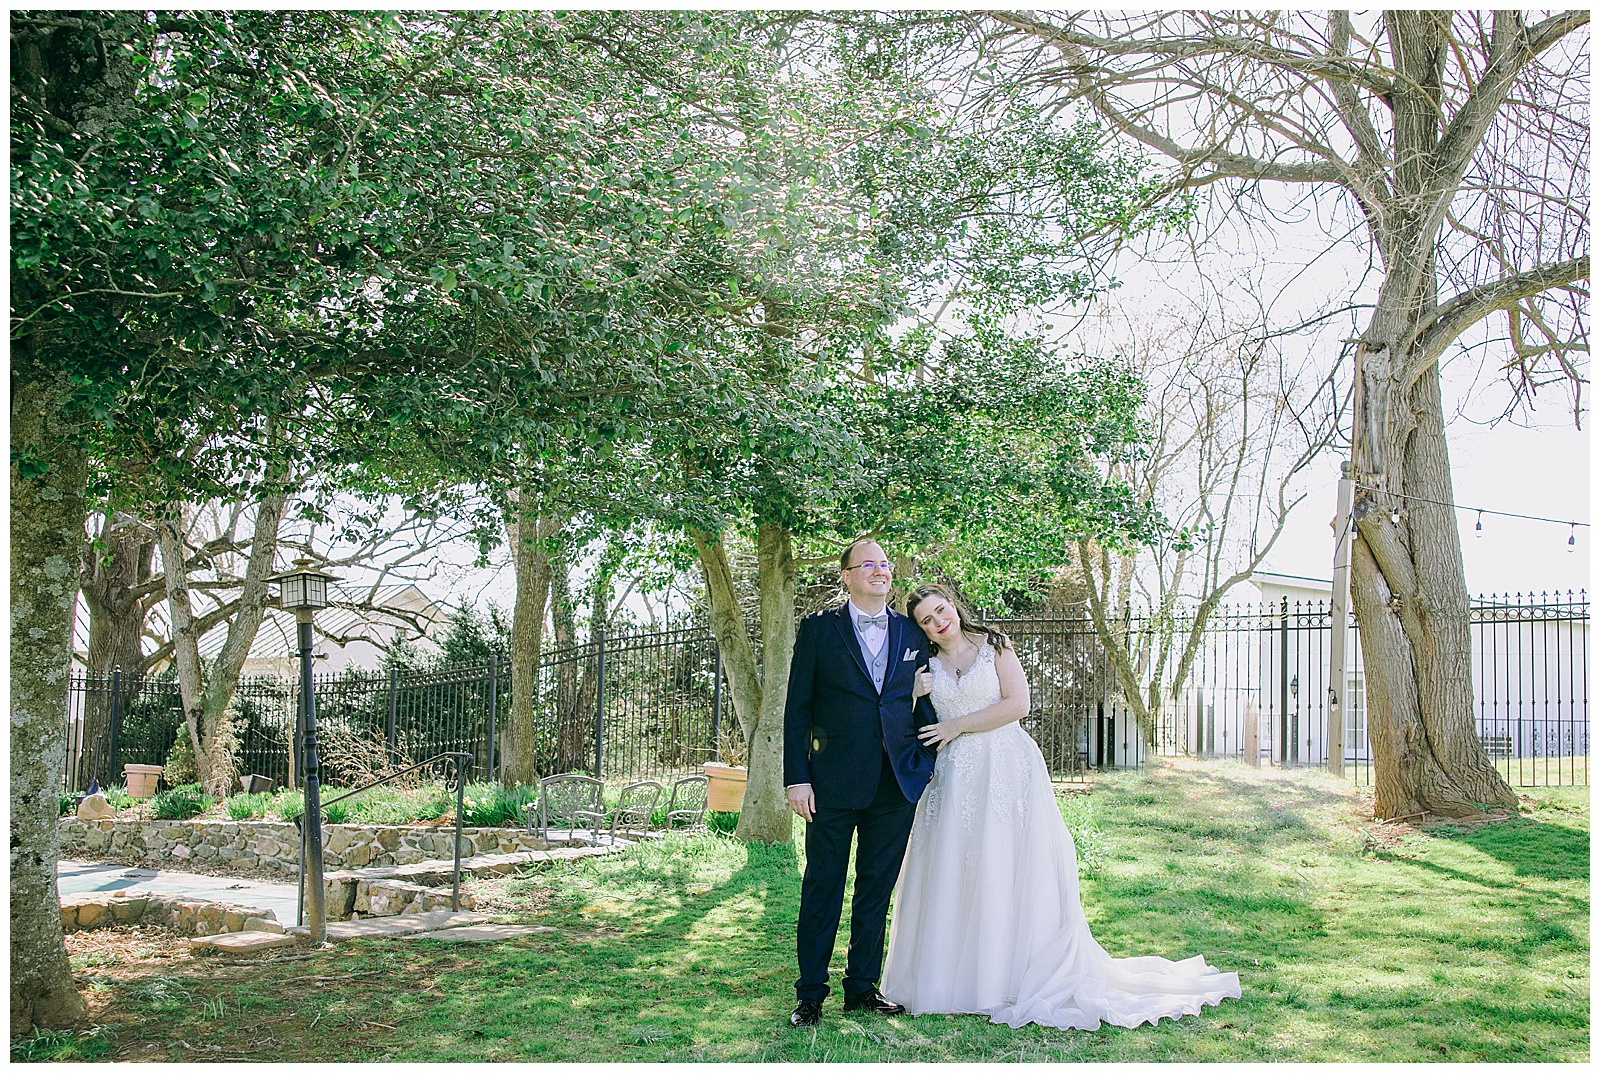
303,589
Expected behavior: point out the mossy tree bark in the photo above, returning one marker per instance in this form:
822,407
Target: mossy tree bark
530,534
758,692
48,514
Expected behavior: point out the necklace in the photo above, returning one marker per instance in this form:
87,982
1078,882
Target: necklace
959,673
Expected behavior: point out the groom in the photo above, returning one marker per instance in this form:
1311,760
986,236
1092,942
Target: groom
853,765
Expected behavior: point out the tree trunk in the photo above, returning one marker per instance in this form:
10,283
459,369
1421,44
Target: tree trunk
758,695
529,533
1408,583
1143,702
110,582
185,645
569,721
254,595
728,627
1413,613
206,703
48,514
765,815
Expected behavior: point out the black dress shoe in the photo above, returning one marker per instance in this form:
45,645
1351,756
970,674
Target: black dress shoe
875,1002
807,1012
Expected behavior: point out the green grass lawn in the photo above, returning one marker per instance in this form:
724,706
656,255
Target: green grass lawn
1445,944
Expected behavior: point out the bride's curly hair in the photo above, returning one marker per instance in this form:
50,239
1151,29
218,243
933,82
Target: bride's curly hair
975,629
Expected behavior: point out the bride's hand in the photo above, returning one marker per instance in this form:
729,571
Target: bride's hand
938,735
923,685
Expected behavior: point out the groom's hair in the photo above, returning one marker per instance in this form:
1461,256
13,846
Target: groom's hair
849,550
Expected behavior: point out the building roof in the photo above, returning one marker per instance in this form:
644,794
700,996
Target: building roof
277,639
1295,580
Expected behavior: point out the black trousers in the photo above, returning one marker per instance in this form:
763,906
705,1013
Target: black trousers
881,830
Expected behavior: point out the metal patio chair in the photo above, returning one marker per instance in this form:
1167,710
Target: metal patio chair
686,807
569,803
636,804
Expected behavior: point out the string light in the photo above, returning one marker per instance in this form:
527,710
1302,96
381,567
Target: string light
1463,506
1394,515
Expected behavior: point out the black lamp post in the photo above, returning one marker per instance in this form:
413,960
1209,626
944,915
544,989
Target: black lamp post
303,591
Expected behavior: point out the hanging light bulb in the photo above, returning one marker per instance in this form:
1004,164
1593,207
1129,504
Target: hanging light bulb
1572,538
1394,515
1479,526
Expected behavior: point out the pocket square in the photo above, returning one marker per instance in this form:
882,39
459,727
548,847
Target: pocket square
911,654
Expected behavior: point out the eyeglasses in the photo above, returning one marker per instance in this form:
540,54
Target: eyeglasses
887,568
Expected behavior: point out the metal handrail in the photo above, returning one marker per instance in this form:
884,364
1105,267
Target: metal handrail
461,788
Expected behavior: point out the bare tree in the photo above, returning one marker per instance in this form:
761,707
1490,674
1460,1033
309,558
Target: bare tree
1232,424
215,562
1460,140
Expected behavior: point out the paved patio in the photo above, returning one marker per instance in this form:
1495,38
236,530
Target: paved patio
80,877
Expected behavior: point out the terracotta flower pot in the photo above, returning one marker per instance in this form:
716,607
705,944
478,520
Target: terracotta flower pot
142,779
724,787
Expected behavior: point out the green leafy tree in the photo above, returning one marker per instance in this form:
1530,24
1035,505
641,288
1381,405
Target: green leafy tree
249,245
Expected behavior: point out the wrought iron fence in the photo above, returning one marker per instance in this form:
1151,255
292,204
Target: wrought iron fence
634,705
1259,685
652,704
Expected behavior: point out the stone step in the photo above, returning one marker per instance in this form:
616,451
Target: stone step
394,927
183,913
243,943
394,890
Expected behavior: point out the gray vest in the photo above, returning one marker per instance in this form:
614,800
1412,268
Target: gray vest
876,665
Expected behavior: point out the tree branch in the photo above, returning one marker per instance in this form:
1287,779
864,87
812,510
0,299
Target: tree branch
1470,306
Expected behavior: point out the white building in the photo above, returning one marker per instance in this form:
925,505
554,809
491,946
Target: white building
354,631
1260,682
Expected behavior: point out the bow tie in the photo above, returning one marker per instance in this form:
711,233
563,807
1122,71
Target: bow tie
880,621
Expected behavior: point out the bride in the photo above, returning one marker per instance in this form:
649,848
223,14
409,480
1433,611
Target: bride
987,917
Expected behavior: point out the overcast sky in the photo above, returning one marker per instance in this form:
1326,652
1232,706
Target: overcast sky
1537,463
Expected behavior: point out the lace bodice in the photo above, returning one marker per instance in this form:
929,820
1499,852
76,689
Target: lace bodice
977,689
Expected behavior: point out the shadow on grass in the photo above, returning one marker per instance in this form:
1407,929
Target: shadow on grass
673,976
1227,801
1534,848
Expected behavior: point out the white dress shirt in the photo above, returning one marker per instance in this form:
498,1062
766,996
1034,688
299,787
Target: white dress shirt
873,636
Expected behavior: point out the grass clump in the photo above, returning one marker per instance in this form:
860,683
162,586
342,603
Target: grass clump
249,806
64,1045
488,804
180,802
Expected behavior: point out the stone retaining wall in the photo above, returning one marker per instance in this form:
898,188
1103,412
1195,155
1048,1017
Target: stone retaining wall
275,846
184,915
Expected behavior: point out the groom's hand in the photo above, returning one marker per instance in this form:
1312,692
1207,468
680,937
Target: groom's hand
802,801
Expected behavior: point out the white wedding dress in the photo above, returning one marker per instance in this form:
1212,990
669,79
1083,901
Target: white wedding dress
986,915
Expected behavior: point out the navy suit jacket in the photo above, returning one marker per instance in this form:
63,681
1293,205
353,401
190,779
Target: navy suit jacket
837,727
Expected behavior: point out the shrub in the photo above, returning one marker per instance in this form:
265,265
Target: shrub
289,805
248,806
180,802
385,804
180,767
69,803
488,804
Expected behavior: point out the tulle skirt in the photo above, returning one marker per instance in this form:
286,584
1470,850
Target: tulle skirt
987,918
